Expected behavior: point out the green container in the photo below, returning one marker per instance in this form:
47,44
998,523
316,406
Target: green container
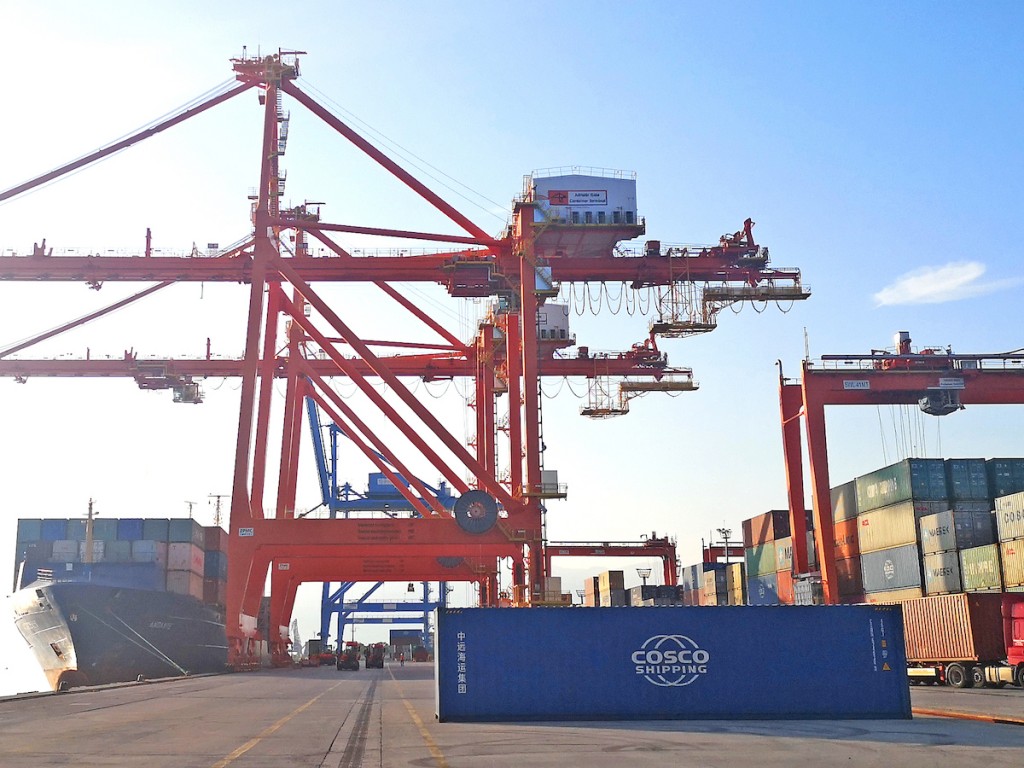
1005,476
979,568
104,529
967,479
760,559
917,479
844,501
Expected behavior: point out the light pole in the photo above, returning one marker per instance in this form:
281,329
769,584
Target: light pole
581,593
724,533
643,573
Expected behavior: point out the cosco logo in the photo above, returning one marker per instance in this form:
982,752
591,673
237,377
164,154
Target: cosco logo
670,660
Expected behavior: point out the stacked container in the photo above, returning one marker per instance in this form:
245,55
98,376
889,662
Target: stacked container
691,582
768,551
141,553
591,592
1010,523
943,537
735,584
611,589
846,544
715,590
890,502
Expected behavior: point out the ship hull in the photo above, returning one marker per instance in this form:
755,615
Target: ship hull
90,634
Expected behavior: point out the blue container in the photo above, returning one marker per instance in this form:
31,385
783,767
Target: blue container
967,479
76,529
670,663
763,590
53,530
130,529
215,565
30,530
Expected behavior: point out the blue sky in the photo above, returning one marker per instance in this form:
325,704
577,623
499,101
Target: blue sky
876,145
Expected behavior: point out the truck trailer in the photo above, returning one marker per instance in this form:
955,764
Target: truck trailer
965,639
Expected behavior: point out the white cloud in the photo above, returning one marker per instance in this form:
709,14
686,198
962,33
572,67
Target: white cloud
936,285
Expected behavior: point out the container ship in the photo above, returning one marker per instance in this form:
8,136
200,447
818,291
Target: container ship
104,601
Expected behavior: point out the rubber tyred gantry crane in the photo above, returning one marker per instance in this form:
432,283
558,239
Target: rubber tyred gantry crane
520,268
936,380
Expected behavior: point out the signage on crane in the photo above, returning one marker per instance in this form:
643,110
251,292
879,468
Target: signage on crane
856,384
951,383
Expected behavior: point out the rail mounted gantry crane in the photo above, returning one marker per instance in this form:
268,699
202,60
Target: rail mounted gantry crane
936,380
519,268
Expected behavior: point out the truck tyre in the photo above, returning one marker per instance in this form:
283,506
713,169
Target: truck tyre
1018,676
978,677
956,676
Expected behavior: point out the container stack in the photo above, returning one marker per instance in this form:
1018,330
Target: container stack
1010,523
140,553
715,590
611,589
215,565
890,502
735,584
592,592
846,542
691,582
768,554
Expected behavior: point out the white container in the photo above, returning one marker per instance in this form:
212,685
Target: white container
65,551
149,551
941,573
98,547
183,556
1010,516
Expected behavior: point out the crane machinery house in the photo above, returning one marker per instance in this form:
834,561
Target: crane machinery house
608,197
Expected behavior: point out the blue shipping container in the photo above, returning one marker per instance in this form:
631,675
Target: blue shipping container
670,663
763,590
53,530
215,565
129,529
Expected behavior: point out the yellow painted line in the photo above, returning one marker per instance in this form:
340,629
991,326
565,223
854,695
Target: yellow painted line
270,730
968,716
435,751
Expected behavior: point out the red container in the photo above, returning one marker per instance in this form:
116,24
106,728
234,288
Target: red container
767,527
785,586
846,542
957,627
848,574
215,539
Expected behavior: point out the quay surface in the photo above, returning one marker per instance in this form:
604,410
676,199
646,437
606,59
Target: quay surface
385,718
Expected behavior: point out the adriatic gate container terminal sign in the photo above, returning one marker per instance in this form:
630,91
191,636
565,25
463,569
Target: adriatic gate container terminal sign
667,663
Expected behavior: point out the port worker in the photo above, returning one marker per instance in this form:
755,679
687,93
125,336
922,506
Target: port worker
401,659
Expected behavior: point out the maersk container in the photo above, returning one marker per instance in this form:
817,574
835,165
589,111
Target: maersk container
844,501
896,568
979,568
1005,476
763,590
784,553
1009,517
845,538
941,573
155,529
760,559
30,530
669,664
1012,555
130,529
53,530
919,479
952,530
886,528
967,479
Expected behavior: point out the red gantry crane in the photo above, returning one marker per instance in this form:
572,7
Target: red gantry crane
548,242
936,380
